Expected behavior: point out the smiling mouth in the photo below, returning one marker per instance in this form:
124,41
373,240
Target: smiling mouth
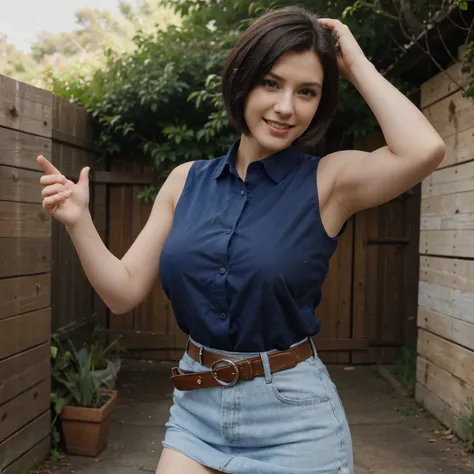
279,126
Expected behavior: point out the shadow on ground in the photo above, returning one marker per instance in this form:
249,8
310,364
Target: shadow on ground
391,435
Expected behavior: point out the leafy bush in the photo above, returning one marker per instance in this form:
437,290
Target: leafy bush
161,103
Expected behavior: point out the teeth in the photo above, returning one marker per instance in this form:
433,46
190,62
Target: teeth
278,125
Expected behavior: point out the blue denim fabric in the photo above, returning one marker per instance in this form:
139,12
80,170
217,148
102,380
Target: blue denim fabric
289,422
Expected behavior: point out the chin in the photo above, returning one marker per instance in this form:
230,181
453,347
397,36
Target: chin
273,144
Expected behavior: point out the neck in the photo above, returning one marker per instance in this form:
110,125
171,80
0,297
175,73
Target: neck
248,152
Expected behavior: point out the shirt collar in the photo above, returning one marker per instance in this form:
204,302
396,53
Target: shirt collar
277,165
228,161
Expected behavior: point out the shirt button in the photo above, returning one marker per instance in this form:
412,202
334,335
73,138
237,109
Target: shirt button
223,315
228,231
222,270
242,193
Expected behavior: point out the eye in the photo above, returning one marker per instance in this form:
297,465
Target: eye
308,92
269,83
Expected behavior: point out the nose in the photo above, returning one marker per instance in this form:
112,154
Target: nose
284,104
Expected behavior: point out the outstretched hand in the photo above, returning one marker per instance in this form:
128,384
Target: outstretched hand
62,198
350,53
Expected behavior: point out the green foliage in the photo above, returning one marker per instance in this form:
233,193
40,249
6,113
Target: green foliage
100,351
468,67
159,102
405,368
467,426
80,384
73,379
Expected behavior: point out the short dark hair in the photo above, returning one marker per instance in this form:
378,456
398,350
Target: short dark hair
279,31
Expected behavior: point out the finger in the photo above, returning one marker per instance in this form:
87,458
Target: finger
49,203
47,166
55,189
49,179
330,22
335,25
84,176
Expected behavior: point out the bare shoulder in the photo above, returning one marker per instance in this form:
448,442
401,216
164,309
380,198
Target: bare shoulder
175,182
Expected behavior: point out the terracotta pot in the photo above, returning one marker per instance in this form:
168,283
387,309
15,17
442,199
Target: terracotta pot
86,430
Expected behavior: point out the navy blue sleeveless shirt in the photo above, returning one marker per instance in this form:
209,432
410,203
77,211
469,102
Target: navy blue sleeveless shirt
244,262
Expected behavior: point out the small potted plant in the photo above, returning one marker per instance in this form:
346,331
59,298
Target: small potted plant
82,404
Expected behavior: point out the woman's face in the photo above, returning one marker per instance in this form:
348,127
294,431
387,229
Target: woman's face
282,106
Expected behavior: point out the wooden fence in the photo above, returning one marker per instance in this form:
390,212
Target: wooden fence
445,368
42,285
25,279
75,305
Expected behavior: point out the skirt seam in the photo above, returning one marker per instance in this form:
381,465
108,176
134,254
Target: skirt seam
220,468
225,463
341,431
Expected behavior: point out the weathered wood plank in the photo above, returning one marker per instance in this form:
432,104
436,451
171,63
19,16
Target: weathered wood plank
445,300
448,388
72,124
442,85
411,265
25,439
20,185
344,310
117,177
360,283
23,294
450,272
24,256
447,327
99,209
459,148
20,149
439,409
131,339
457,179
22,332
448,212
453,243
334,311
19,219
23,371
35,455
70,160
451,115
19,411
25,108
452,358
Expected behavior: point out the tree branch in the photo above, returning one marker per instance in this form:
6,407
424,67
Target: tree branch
444,44
378,11
437,64
409,18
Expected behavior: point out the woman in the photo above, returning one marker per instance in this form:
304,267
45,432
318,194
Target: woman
243,244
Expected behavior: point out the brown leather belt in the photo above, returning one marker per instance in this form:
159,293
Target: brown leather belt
227,372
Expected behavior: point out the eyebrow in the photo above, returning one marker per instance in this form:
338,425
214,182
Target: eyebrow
305,84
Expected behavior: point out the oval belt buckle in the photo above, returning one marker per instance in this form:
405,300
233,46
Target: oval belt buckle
225,362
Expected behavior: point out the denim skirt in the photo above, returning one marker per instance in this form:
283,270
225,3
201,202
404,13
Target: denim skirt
289,422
